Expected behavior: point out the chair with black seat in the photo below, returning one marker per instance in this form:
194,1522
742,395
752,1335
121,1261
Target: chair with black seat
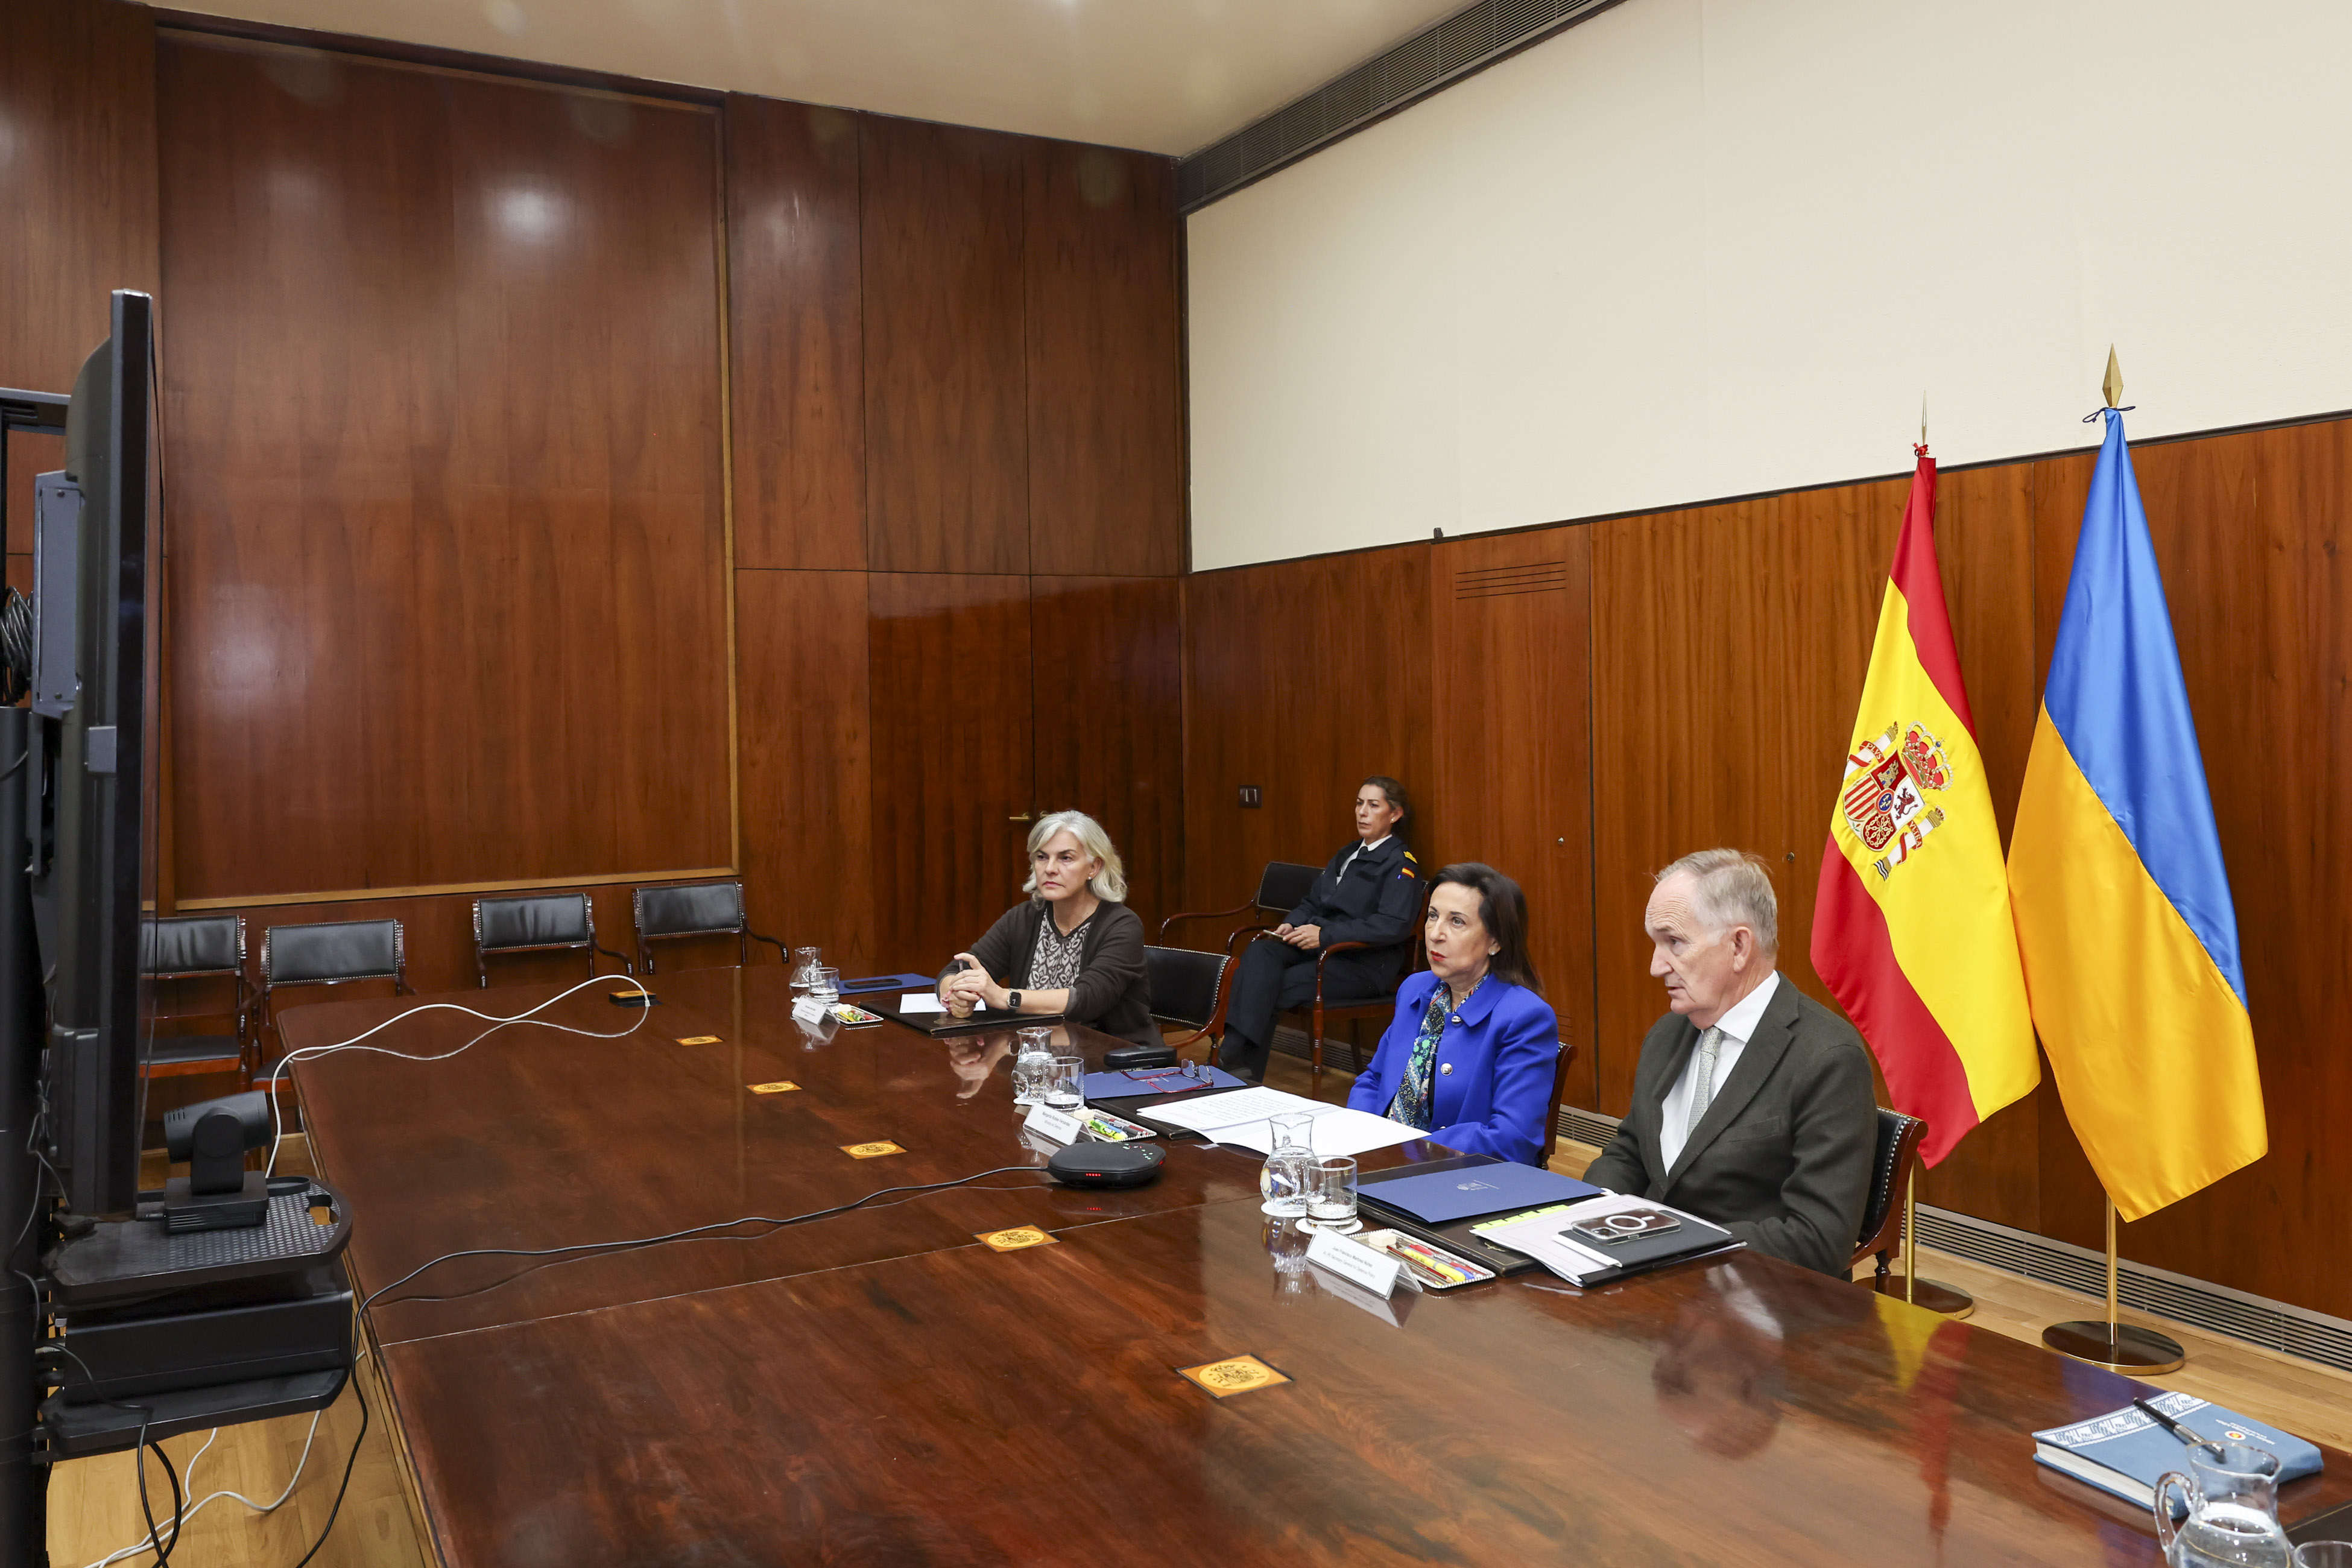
332,953
184,948
696,908
1323,1007
1558,1093
1282,886
537,923
1187,989
1899,1137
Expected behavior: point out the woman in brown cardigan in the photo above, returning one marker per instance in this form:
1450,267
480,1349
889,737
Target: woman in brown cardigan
1072,948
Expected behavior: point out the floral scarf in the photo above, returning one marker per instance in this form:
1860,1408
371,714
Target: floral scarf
1413,1096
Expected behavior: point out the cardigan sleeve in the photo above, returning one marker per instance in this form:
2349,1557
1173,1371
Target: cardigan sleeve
1112,967
999,946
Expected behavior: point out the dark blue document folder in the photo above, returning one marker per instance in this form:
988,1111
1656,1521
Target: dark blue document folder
1441,1197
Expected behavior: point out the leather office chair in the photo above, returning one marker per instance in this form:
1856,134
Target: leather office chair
1899,1137
1188,988
1280,887
1323,1008
1558,1092
537,923
696,908
199,947
332,953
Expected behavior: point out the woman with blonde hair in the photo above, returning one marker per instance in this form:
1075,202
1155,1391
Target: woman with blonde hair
1072,948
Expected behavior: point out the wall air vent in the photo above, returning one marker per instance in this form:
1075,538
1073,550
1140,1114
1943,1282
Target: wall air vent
1494,582
1430,61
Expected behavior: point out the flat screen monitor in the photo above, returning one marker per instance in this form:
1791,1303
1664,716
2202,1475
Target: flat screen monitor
92,825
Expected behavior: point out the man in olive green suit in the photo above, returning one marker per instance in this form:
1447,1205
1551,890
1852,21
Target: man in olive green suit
1753,1105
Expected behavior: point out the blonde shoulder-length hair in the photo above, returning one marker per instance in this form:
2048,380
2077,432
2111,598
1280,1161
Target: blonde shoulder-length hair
1109,884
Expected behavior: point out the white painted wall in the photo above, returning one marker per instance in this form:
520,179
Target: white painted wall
1696,249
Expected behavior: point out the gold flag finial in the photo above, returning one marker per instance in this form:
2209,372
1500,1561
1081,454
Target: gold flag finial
2113,383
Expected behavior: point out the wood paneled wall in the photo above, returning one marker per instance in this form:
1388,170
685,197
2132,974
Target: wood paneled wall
514,425
1726,646
442,420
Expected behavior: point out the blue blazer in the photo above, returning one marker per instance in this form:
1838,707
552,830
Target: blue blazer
1491,1083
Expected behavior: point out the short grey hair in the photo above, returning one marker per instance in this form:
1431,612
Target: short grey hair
1109,884
1732,889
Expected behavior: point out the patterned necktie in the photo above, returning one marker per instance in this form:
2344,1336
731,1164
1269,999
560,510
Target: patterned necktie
1703,1091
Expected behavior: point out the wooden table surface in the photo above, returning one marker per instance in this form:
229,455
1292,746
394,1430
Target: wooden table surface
879,1388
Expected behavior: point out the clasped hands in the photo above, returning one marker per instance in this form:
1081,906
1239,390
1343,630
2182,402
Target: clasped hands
1307,939
970,988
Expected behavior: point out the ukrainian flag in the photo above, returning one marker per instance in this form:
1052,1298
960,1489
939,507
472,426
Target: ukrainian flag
2123,907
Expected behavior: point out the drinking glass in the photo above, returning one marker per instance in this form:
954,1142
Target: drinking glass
1332,1195
2231,1489
2324,1554
1066,1085
1030,1066
1284,1183
826,986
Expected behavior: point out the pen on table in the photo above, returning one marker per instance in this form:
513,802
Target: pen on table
2167,1422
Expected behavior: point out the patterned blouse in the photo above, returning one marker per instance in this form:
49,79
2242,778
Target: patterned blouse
1412,1103
1058,958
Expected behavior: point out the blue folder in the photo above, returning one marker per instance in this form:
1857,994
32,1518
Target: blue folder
1441,1197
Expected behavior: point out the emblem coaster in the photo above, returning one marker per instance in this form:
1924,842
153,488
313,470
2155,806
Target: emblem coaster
779,1087
1018,1239
697,1039
873,1151
1235,1374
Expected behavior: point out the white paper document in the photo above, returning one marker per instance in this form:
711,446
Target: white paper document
1240,1118
921,1002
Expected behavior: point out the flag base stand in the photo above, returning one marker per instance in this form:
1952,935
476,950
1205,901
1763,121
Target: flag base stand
1944,1301
2115,1345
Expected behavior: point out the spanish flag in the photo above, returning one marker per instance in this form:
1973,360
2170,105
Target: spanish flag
2123,905
1912,931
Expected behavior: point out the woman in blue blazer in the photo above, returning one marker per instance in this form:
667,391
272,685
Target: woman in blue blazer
1471,1055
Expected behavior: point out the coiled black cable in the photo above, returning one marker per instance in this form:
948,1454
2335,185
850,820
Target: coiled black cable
15,647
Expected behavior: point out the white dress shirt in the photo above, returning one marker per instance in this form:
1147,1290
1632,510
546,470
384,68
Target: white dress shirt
1738,1026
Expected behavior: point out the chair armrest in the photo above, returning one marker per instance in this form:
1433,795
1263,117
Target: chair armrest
784,954
625,963
1323,952
1202,915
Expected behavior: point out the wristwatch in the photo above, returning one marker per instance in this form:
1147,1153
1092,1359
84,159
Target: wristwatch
1012,1001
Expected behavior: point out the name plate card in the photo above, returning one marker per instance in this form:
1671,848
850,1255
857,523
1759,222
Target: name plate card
1059,1125
1354,1262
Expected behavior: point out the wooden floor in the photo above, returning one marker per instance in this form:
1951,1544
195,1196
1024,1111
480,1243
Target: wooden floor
94,1503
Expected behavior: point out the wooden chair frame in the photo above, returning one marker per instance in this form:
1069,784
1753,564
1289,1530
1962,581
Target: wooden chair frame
1886,1241
740,930
1318,1011
244,1010
1215,1027
1558,1093
483,953
1249,906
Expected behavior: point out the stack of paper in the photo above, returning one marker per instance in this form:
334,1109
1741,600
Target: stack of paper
1240,1118
1545,1236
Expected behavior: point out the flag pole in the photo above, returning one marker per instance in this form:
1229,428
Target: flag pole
1945,1300
2113,1344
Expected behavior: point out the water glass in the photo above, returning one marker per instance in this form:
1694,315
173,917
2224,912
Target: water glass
1289,1165
1332,1195
826,986
1066,1084
2324,1554
1030,1066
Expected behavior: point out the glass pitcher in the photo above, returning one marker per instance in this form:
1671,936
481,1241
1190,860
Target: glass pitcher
806,961
1031,1066
1289,1168
2231,1490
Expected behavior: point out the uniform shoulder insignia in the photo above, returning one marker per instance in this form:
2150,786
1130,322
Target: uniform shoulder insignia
1405,871
1410,856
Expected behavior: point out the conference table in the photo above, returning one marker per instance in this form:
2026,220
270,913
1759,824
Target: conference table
879,1386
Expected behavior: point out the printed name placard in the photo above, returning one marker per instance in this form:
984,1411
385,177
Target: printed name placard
1350,1261
1059,1125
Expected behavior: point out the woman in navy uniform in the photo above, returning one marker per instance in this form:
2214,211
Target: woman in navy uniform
1368,893
1471,1056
